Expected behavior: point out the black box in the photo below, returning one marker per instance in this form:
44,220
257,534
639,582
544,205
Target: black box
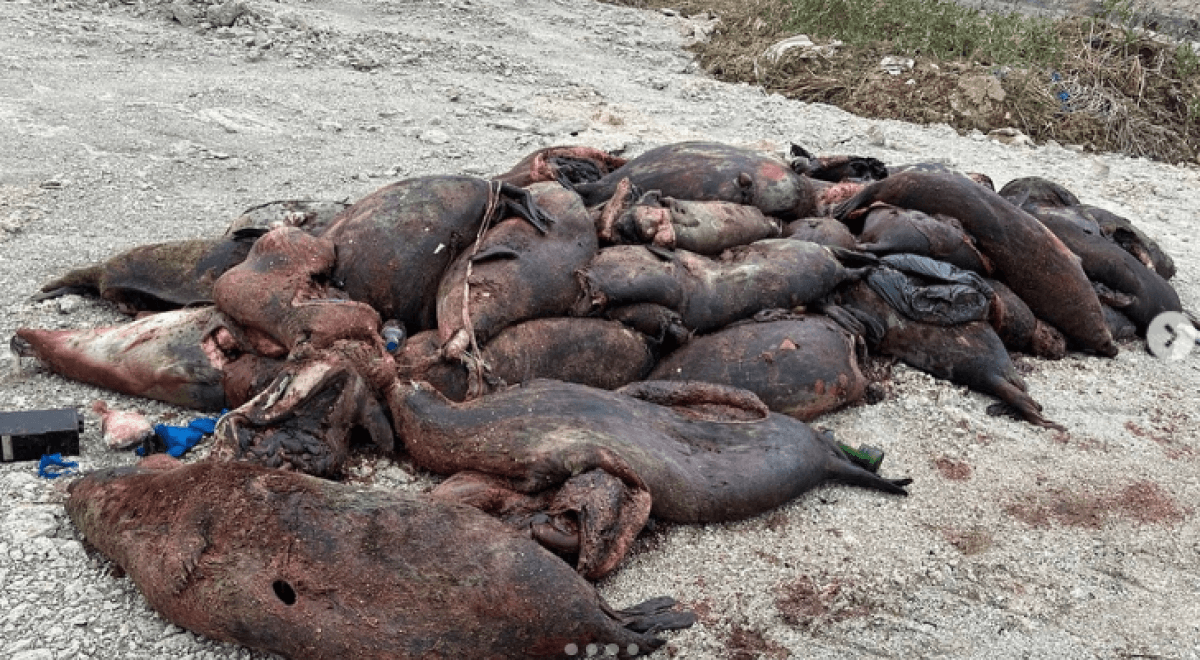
27,435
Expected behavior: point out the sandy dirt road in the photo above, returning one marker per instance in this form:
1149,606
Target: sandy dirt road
120,126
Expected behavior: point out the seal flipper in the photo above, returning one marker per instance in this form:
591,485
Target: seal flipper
79,281
654,615
520,202
842,469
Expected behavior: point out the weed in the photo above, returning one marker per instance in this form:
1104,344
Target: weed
1097,81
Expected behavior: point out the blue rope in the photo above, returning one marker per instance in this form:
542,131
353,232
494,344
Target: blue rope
52,466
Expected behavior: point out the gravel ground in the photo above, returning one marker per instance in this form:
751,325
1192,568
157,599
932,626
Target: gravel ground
132,123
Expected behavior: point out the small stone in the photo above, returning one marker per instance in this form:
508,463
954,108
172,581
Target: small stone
34,654
69,304
226,14
183,14
434,136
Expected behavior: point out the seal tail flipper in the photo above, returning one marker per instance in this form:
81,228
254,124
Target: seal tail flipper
1018,403
846,471
79,281
654,615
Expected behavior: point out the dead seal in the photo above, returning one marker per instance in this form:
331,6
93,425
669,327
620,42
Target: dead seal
281,298
711,171
711,293
707,228
802,366
654,459
159,276
970,354
1024,254
1144,293
394,245
943,168
836,168
308,568
888,229
163,356
1038,196
561,348
822,231
514,273
568,165
314,404
1020,330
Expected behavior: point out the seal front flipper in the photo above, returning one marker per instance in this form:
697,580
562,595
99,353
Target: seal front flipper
593,516
520,202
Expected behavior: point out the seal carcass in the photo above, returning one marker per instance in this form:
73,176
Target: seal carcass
547,434
312,569
801,366
515,273
1024,254
711,171
967,353
394,245
561,348
166,356
160,276
712,293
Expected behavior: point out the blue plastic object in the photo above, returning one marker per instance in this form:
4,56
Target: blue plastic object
179,439
52,466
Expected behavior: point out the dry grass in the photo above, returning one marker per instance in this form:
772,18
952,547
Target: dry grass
1079,81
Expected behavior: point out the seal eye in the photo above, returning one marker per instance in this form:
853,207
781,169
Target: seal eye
284,592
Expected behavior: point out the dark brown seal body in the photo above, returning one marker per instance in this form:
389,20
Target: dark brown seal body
970,353
801,366
157,277
822,231
1019,329
394,245
710,171
517,273
712,293
1025,255
1038,195
707,228
891,230
1108,263
681,468
312,569
561,348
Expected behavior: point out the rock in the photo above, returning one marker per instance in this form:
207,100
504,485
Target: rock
227,14
1010,136
977,95
183,14
69,304
434,136
896,65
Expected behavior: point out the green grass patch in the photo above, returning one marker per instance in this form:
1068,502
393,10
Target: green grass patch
933,28
1093,81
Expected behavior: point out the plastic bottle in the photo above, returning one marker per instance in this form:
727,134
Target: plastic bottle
393,336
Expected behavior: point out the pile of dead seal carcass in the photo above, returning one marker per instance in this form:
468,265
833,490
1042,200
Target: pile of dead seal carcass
578,345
